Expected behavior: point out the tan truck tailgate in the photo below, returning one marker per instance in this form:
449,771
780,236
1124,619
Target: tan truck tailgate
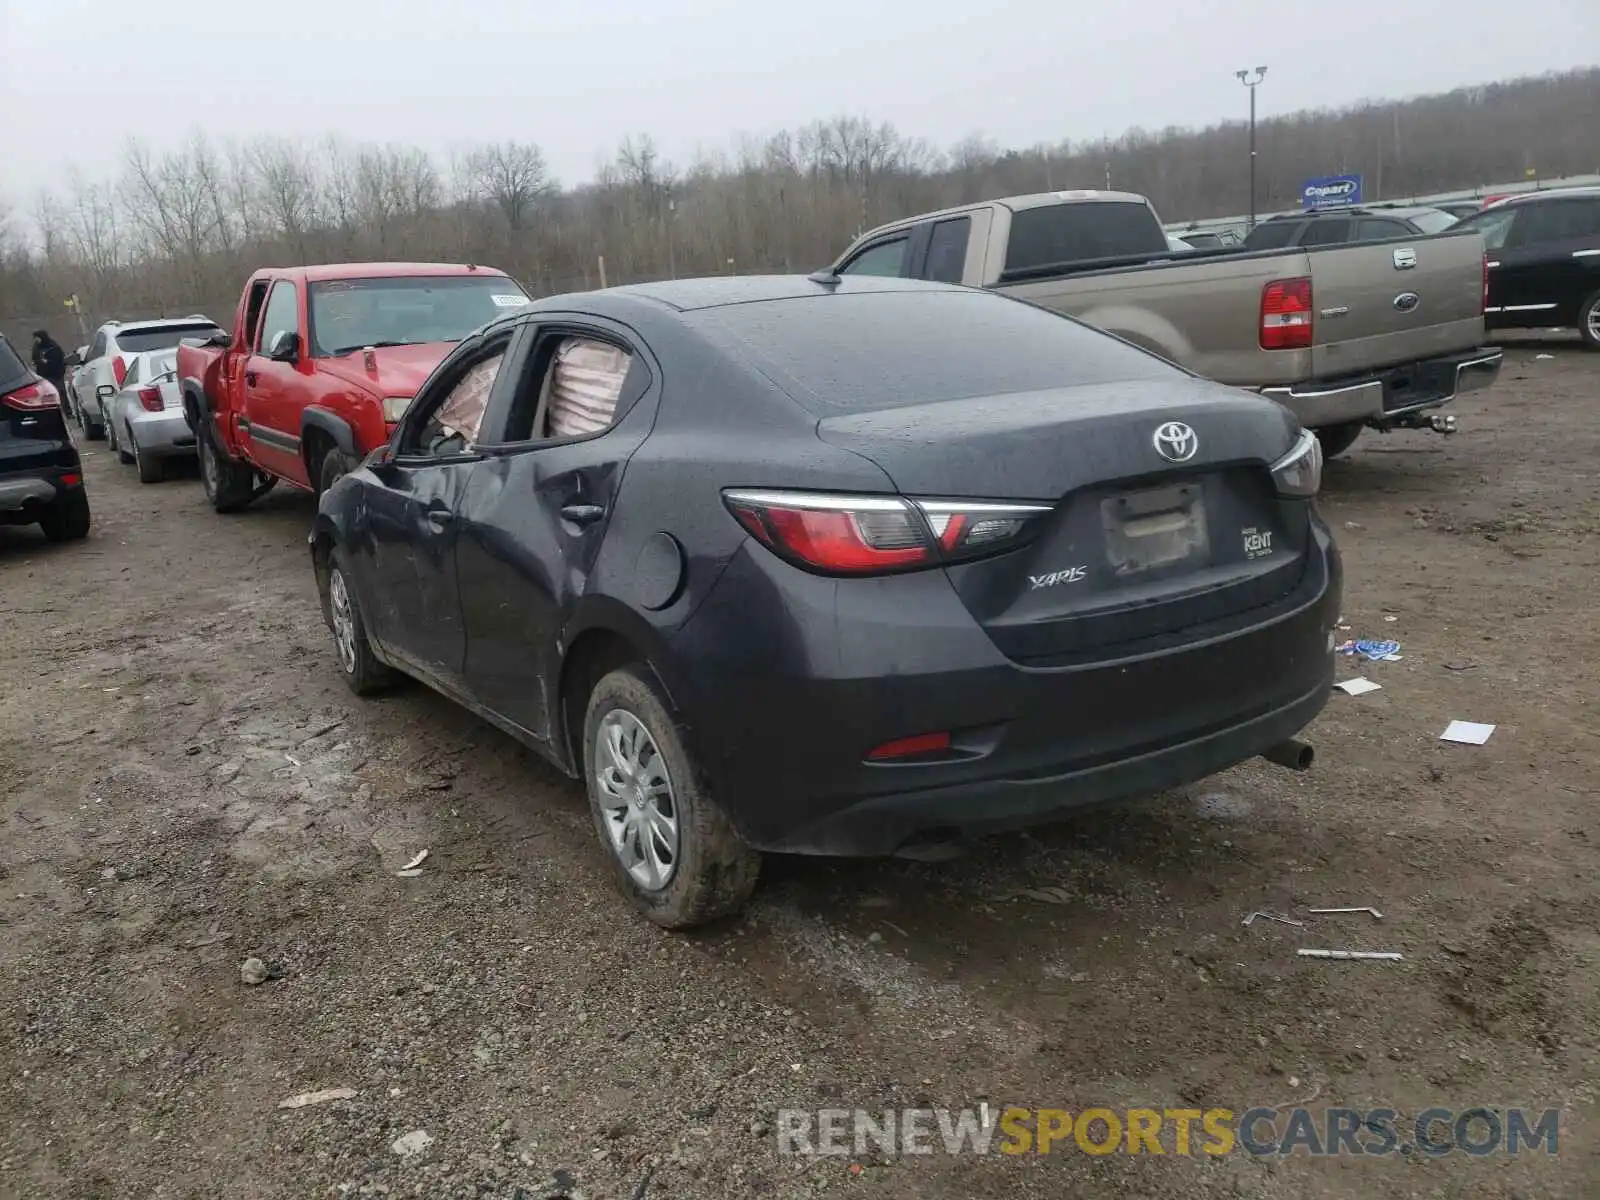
1393,302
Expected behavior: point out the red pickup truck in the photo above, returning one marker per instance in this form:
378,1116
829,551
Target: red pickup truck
321,363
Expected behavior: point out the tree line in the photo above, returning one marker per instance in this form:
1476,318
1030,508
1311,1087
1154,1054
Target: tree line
176,230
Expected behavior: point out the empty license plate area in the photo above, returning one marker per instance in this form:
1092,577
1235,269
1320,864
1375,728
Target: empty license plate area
1154,528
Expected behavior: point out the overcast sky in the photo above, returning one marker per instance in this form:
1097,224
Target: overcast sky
579,75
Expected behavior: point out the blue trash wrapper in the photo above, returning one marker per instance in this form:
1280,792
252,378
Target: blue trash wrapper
1374,651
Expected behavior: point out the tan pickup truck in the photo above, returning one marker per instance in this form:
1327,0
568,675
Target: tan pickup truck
1347,337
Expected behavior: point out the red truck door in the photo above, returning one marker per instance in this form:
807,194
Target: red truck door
274,390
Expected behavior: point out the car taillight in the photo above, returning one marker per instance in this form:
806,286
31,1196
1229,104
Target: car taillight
150,397
1286,314
867,535
119,369
31,397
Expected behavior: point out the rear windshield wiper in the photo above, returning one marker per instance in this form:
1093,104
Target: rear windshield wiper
343,350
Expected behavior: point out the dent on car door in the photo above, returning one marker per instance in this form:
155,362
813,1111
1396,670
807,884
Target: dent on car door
410,517
539,507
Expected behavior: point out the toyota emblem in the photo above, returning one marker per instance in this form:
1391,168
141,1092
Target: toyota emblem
1176,442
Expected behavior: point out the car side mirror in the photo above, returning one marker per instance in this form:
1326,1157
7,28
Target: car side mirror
220,339
285,347
72,360
382,457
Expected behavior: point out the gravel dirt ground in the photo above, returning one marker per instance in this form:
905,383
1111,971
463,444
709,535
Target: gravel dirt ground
185,783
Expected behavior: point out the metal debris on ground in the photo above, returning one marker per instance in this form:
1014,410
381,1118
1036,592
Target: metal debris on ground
408,873
1266,916
322,1097
1361,955
1376,915
422,857
1467,733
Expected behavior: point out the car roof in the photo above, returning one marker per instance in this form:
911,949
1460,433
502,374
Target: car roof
1567,193
717,291
327,272
116,327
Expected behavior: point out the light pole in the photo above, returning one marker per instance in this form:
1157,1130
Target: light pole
1252,82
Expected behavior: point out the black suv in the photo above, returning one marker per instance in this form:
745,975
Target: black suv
41,475
1544,261
1341,226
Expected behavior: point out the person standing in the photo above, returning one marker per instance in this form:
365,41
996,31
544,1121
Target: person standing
50,361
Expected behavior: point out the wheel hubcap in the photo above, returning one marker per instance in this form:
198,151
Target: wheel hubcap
1594,321
636,799
208,466
344,621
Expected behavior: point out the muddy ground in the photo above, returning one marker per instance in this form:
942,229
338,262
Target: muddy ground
185,782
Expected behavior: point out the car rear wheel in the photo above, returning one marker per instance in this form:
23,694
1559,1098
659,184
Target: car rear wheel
67,519
151,469
229,486
92,430
673,851
1336,439
360,667
1589,322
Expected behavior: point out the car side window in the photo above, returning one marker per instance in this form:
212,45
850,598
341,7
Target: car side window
132,376
885,258
1272,235
1554,221
282,315
1373,229
577,384
1327,233
98,350
947,250
1495,226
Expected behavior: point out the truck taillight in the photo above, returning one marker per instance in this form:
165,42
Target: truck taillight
150,398
1286,314
119,369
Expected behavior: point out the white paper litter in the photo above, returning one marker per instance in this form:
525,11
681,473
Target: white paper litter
322,1097
422,857
1468,733
1357,686
409,873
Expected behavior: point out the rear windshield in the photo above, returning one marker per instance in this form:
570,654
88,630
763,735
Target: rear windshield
164,337
1436,221
347,314
1077,231
862,353
1273,235
13,371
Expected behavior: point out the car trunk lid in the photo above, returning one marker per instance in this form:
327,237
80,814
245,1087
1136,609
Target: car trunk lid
1135,547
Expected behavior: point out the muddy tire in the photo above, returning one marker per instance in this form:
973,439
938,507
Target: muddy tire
360,667
335,465
1336,439
92,430
123,455
228,485
672,850
67,519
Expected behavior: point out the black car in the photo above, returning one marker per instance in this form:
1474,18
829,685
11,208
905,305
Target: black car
41,476
1342,226
836,566
1544,261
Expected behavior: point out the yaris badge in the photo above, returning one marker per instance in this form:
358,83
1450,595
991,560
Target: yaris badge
1176,442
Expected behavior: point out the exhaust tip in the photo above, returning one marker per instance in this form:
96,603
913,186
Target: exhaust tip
1293,754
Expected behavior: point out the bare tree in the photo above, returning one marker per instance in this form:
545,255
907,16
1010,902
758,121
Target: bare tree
514,176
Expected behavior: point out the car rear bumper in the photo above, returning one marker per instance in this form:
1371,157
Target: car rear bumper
163,434
1392,395
787,681
24,494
